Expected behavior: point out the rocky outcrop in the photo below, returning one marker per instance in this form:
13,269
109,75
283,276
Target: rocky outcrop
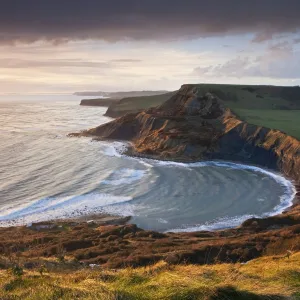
194,125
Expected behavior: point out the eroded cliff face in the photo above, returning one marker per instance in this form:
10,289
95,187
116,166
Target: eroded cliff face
191,126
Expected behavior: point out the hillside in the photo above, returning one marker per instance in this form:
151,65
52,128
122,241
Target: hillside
269,106
273,107
98,102
136,104
269,278
120,95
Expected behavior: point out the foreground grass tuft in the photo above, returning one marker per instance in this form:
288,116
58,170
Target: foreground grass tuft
264,278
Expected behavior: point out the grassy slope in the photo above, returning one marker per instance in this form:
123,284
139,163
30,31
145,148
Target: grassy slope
270,106
264,278
138,103
287,121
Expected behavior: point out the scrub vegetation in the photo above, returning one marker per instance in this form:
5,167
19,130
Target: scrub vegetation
273,277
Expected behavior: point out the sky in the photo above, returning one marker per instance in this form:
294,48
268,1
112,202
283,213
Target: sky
67,46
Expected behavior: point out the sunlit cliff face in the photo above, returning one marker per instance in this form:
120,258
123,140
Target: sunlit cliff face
54,47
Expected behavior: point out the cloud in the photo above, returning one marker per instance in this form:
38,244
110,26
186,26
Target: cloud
297,41
114,20
231,68
279,61
51,63
15,63
126,60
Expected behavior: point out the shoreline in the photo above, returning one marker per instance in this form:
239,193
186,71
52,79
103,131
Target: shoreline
127,151
110,242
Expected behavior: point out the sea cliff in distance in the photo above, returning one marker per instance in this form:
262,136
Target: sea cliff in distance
98,102
109,99
120,94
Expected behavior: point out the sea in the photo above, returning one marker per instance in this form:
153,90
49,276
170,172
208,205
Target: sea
46,175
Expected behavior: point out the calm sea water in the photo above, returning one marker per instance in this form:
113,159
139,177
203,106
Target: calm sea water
46,175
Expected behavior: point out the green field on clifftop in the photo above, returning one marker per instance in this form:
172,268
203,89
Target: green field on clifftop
274,107
269,106
287,121
131,104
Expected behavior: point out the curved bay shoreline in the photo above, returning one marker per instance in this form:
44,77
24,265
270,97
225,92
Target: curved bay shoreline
187,128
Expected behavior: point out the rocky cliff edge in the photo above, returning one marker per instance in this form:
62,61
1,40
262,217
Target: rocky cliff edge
193,125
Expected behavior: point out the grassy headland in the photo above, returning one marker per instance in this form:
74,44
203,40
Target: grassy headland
98,102
274,107
269,106
135,104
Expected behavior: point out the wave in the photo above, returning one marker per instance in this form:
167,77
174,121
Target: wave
218,224
114,149
124,176
51,208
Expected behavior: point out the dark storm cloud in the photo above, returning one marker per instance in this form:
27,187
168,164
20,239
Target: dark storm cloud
62,20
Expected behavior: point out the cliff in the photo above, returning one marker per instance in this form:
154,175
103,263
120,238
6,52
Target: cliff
195,125
98,102
135,104
120,95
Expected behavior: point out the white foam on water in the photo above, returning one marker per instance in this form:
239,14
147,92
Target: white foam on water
124,176
286,200
289,189
125,210
60,207
114,149
163,221
217,224
261,199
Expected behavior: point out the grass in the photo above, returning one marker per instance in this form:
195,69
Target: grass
138,103
287,121
264,278
270,106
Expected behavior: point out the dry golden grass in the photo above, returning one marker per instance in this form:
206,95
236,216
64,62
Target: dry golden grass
263,278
